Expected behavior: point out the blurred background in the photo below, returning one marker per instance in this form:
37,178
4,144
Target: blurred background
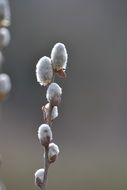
91,129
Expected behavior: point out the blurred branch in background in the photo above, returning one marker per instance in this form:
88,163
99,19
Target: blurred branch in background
5,82
5,21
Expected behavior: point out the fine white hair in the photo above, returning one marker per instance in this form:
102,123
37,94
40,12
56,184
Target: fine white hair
39,177
44,131
53,150
39,173
44,71
54,90
54,113
59,56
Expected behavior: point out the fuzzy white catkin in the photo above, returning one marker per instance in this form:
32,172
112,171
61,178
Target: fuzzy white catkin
5,16
44,71
5,83
39,174
59,56
53,150
54,113
44,131
4,37
54,90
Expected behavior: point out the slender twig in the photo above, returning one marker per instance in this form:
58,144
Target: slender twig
46,162
46,169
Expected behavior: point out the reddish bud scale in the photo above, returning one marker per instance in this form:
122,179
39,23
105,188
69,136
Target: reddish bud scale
52,159
61,73
56,101
45,142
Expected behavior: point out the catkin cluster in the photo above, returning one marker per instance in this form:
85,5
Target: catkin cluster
46,70
5,21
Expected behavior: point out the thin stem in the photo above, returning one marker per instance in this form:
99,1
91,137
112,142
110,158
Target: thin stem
46,149
46,169
49,119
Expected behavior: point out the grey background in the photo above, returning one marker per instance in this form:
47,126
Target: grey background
91,129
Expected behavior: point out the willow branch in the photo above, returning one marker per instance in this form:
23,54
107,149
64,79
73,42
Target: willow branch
46,162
